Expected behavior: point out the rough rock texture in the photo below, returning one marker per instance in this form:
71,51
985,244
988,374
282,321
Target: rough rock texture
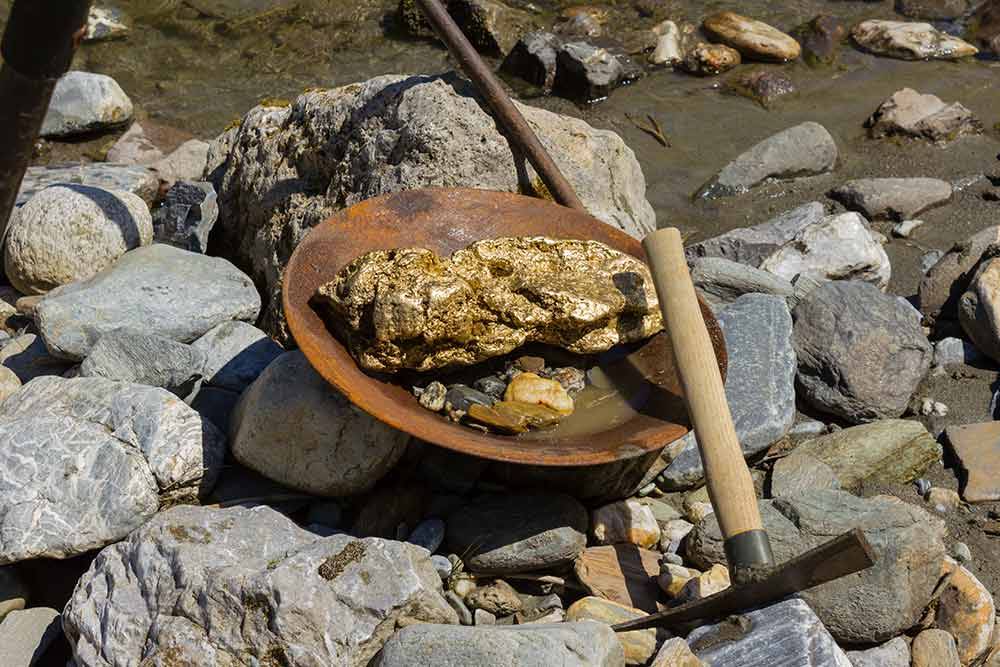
409,308
236,353
721,281
871,606
579,644
977,448
979,308
186,163
517,533
132,356
755,40
894,653
966,611
70,232
586,72
199,586
9,382
83,102
158,289
840,247
187,216
26,635
293,427
121,177
910,41
909,113
752,245
861,353
389,134
675,653
786,634
622,573
943,285
893,198
802,150
763,86
134,147
760,382
935,648
99,456
104,24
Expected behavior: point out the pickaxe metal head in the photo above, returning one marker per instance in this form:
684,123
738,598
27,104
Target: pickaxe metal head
837,558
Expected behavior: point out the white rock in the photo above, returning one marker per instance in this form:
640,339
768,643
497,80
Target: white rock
84,102
9,382
905,228
105,23
910,41
668,49
625,521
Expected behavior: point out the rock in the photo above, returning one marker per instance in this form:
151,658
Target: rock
955,351
83,102
13,592
799,473
454,600
669,48
755,40
626,521
105,455
68,233
786,633
28,358
929,259
889,451
442,565
965,610
673,532
105,24
187,216
820,39
894,653
764,86
977,448
26,635
722,281
622,573
910,41
293,427
580,644
131,356
935,648
979,308
572,379
752,245
432,396
517,533
860,352
905,228
186,163
535,390
710,59
498,598
673,578
639,645
236,353
332,600
216,405
802,150
909,113
582,21
533,59
760,382
9,383
428,534
136,179
432,131
582,295
961,552
932,10
985,26
943,286
491,26
893,198
134,147
675,653
840,247
715,580
874,605
158,289
491,386
586,72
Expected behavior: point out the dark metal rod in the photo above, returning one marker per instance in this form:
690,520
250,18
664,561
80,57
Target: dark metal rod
38,46
496,97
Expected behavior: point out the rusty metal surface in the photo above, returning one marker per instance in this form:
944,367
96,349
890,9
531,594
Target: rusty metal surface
445,220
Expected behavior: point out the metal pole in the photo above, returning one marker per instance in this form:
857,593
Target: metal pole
496,97
38,46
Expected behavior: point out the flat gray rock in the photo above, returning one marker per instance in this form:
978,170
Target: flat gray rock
500,534
131,356
236,353
802,150
26,635
800,474
721,281
83,102
892,198
894,653
124,177
158,289
200,586
861,353
760,382
579,644
871,606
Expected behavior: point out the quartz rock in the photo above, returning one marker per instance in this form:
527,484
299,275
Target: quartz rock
84,102
532,389
910,41
893,198
625,521
713,581
755,40
409,308
669,49
909,113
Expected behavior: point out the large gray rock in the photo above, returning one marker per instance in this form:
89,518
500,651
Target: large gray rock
158,289
84,102
85,461
199,586
873,605
785,634
500,534
132,356
894,653
721,281
893,198
236,353
752,245
389,134
802,150
293,427
68,233
760,382
121,177
26,635
861,353
579,644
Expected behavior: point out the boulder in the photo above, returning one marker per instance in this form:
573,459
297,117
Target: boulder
579,644
943,285
26,635
802,150
755,40
295,428
894,653
868,607
979,308
68,233
501,534
722,281
236,353
158,289
906,112
83,102
389,134
839,247
104,456
186,218
139,358
935,648
861,353
910,41
893,198
254,586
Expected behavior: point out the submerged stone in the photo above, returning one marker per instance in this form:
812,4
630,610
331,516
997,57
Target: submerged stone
910,41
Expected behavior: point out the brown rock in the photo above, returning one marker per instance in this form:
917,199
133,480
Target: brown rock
966,611
715,580
979,308
986,26
710,59
755,40
639,645
764,86
501,421
498,598
934,10
622,573
934,648
943,286
676,653
977,447
673,578
530,388
821,39
943,500
625,521
530,414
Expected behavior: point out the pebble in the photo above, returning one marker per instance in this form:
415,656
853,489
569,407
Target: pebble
910,41
532,389
909,113
482,617
764,86
428,534
929,259
821,39
498,598
672,533
673,578
492,386
83,102
943,500
934,648
893,653
892,198
710,59
961,552
639,645
931,408
442,566
186,218
572,379
755,40
460,398
675,652
432,396
905,228
625,521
